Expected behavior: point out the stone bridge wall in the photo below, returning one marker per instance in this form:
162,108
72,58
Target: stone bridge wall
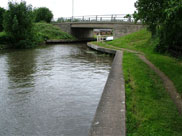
85,30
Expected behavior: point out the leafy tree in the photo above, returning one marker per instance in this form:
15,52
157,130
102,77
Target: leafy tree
150,12
170,31
2,11
18,23
128,16
61,19
164,19
43,14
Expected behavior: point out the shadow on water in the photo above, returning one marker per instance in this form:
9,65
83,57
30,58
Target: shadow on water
21,68
92,56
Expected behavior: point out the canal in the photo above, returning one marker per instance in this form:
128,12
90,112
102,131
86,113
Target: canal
50,91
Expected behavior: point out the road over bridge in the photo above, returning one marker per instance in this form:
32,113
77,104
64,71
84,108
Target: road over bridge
82,27
84,30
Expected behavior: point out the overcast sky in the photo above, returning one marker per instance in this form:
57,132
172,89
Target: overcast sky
63,8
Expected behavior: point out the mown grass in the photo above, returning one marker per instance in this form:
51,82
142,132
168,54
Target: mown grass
49,31
150,110
143,42
134,41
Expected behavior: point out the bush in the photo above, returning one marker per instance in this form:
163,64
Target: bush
47,31
3,38
43,14
18,24
2,10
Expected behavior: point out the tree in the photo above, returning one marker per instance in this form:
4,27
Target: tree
150,12
2,11
18,24
128,16
170,31
43,14
164,19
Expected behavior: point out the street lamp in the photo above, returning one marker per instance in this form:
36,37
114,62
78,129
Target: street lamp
72,9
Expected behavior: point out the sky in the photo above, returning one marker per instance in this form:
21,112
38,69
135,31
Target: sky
63,8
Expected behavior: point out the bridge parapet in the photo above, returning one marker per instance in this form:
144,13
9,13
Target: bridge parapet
84,30
98,18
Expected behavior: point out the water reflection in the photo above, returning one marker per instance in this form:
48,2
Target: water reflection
51,91
21,67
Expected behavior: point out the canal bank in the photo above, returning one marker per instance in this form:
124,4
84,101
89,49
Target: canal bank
147,99
63,41
110,116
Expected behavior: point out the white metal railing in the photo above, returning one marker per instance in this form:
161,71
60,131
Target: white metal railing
97,18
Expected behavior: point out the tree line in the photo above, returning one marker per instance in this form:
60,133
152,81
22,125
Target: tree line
17,24
164,20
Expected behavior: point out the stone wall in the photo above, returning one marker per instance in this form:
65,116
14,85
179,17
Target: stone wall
65,27
85,30
120,30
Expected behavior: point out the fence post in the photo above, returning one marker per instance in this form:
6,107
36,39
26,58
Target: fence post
97,18
129,19
98,37
114,19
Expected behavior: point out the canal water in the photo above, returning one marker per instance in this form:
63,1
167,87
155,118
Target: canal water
50,91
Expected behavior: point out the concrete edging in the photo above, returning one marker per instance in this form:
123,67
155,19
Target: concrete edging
101,49
110,116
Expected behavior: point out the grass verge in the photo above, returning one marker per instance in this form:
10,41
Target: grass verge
142,41
150,110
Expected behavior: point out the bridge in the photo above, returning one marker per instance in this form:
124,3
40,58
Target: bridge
83,27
